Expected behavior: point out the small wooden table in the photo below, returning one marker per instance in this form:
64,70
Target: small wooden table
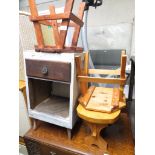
96,121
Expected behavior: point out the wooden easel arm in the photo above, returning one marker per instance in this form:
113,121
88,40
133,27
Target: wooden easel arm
71,16
106,72
76,20
50,17
101,80
47,23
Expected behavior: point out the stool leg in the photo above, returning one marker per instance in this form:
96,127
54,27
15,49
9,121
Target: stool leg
95,138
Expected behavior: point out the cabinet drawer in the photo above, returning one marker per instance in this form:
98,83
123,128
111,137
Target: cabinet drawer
51,150
53,70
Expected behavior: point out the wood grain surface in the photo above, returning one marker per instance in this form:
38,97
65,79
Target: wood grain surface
49,138
56,70
104,99
97,117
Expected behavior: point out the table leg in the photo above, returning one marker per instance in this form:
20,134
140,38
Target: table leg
95,138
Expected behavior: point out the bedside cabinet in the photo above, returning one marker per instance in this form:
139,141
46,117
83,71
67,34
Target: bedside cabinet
52,88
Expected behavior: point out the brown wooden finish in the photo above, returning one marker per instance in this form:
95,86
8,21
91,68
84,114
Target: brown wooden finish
78,27
101,80
84,99
103,71
47,23
83,85
64,16
65,22
51,20
37,26
76,20
101,99
63,33
122,73
53,49
55,28
94,138
55,70
71,24
78,65
123,65
97,117
86,63
99,103
85,70
96,121
50,138
50,17
39,90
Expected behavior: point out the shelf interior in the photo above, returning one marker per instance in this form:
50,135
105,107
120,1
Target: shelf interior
55,106
49,98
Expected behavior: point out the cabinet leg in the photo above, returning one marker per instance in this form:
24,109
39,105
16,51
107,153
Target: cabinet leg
69,133
35,124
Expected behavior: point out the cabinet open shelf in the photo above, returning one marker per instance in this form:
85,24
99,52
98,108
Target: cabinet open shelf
49,101
52,97
54,105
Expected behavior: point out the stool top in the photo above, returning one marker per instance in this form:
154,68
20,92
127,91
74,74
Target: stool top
97,117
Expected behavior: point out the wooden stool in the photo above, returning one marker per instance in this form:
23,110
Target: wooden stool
97,121
100,106
59,29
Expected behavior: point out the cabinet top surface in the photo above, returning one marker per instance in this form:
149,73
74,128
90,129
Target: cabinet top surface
65,57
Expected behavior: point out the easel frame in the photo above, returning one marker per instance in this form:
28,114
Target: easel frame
59,36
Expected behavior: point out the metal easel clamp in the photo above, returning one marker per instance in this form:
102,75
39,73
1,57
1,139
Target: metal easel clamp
93,3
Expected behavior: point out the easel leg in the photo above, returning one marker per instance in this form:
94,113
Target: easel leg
95,138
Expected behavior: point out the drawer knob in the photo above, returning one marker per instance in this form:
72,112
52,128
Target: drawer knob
44,70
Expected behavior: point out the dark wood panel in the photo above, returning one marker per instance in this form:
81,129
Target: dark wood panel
53,70
53,150
39,90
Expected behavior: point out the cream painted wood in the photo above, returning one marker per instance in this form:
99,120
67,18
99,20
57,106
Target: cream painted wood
67,118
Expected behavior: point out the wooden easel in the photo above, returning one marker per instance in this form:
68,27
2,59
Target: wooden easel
51,20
